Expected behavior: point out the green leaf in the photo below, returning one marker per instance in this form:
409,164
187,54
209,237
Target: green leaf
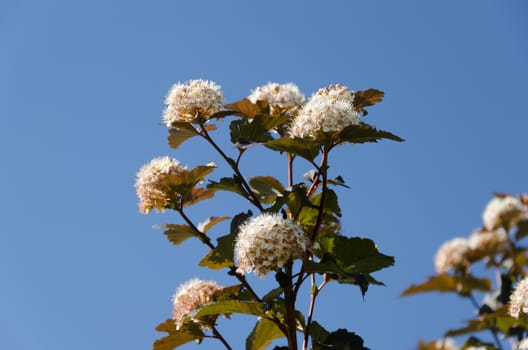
262,335
231,307
363,132
187,333
366,98
266,188
245,107
302,148
223,255
210,222
227,184
177,234
444,283
353,255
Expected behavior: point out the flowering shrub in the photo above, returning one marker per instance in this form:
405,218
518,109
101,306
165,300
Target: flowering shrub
503,312
296,233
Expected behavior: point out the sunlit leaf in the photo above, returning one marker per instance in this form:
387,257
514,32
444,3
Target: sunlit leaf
302,148
231,307
177,234
363,132
223,255
266,188
366,98
227,184
245,107
263,334
444,283
210,222
187,333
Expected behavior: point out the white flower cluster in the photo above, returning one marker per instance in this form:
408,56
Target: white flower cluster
452,254
505,211
151,186
192,296
523,344
281,97
195,98
519,299
329,111
488,242
267,242
446,344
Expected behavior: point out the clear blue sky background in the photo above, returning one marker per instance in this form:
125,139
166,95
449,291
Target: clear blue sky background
81,95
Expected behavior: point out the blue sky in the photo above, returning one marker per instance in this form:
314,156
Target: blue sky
81,96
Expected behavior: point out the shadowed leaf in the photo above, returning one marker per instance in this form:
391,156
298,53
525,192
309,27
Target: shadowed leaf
302,148
196,195
187,333
444,283
366,98
264,332
353,254
181,132
522,230
365,133
340,339
245,107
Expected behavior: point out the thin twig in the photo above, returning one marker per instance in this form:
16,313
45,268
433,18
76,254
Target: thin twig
219,336
251,196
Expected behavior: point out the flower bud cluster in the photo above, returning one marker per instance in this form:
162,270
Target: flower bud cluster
191,296
267,242
152,186
329,111
282,98
191,100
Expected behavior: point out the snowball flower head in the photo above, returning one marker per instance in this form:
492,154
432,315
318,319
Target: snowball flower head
504,211
519,299
523,344
452,254
281,97
267,242
191,296
151,184
329,111
446,344
191,100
